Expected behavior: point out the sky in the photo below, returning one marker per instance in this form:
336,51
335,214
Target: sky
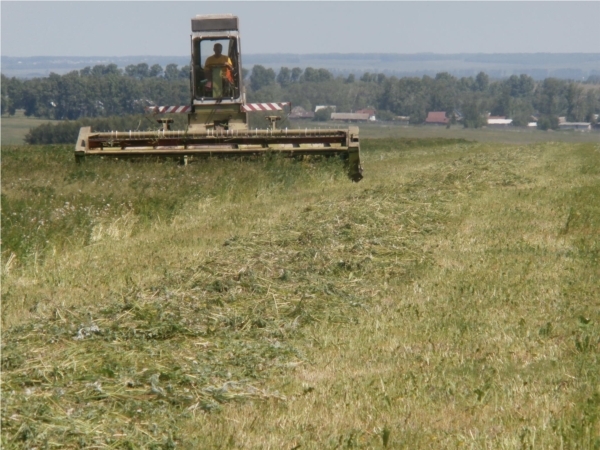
162,28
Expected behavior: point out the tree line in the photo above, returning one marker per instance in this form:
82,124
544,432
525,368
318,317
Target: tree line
107,91
517,97
101,91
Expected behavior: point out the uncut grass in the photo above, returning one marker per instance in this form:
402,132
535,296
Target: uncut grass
449,300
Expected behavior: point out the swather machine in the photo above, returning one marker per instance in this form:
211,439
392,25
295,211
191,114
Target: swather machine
218,114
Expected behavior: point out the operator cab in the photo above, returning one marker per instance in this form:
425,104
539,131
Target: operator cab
216,62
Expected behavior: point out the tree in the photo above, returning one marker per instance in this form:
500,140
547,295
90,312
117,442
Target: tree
385,115
296,74
171,72
11,93
310,75
547,122
261,77
155,71
139,71
184,73
550,100
473,112
576,107
405,97
350,78
102,70
323,115
324,75
591,102
443,93
284,77
526,85
482,82
501,104
521,111
367,77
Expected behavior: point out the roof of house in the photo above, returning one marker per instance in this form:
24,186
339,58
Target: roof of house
437,117
370,111
349,116
318,107
298,112
503,121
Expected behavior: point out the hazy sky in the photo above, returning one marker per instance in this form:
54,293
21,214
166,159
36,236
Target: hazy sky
162,28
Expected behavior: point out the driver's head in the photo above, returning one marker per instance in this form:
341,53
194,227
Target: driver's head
218,48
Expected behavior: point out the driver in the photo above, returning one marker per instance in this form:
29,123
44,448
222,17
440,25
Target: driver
218,59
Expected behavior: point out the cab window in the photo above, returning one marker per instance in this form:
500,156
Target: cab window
216,68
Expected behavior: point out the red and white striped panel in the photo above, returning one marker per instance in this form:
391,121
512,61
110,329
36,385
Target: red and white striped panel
252,107
169,109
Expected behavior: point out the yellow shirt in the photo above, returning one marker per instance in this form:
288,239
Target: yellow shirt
217,61
220,61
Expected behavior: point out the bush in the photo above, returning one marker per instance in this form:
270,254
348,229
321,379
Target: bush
385,115
323,115
548,123
67,132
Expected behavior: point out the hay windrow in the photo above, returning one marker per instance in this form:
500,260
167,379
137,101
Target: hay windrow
454,291
213,332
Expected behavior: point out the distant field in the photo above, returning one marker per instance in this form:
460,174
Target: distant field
511,135
14,128
448,300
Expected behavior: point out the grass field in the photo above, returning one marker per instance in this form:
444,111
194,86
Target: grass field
510,135
14,128
448,300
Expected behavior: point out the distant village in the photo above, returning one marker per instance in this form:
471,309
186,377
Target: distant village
434,118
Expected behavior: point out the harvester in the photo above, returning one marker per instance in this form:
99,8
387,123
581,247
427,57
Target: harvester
217,116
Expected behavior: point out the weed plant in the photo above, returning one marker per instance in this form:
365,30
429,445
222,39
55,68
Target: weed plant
449,300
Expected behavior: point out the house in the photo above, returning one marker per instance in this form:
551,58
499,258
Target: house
579,126
369,111
437,118
350,117
402,120
298,112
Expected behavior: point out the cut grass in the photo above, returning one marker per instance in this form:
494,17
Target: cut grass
450,299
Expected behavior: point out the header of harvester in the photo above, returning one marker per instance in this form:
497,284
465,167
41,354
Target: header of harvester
215,22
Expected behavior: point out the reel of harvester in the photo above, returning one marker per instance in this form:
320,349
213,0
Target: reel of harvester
218,114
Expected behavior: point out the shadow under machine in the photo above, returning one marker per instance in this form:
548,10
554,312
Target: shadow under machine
217,116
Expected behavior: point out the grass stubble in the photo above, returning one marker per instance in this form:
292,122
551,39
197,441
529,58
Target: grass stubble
450,299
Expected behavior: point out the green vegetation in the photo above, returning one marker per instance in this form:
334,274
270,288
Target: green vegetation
104,91
66,132
15,128
449,300
492,135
